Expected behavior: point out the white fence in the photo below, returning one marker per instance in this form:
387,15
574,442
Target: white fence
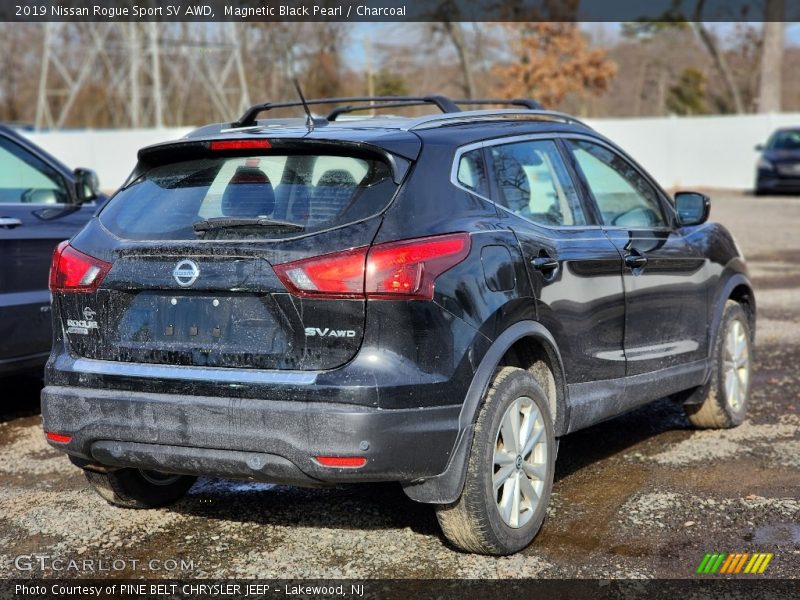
715,152
110,152
684,152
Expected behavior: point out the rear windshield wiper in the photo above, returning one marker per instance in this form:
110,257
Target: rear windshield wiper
225,222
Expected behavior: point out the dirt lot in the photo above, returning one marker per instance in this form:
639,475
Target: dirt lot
640,496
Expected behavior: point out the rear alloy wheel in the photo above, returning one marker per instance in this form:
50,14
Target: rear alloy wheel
725,397
139,488
510,470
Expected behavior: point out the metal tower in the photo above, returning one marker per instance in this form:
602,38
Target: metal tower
141,70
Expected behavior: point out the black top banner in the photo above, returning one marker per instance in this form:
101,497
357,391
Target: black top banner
399,10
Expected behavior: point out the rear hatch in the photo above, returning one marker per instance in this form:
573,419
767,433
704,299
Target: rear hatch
191,245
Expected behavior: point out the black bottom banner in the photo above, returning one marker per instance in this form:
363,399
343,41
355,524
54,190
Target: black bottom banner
254,589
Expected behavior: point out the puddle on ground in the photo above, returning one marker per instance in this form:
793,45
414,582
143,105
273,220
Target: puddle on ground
777,534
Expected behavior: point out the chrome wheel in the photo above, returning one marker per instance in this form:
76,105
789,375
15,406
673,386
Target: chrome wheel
736,365
520,462
157,478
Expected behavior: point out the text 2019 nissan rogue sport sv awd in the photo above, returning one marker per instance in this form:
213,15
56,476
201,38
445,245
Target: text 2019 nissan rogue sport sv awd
430,300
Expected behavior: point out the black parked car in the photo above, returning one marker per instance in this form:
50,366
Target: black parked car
430,300
42,202
778,168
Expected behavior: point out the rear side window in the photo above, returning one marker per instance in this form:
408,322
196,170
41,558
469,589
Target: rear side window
533,183
472,172
257,197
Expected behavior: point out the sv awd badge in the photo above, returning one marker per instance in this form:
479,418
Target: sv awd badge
317,332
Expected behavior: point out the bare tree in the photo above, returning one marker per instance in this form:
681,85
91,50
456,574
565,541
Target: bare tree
769,85
323,73
710,44
455,33
20,53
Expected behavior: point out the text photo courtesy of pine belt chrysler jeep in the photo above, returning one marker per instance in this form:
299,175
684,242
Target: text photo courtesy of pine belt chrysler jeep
429,300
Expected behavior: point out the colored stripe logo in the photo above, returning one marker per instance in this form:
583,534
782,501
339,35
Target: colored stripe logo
734,563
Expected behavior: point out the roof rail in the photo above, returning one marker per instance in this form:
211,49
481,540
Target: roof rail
524,102
349,108
445,104
430,121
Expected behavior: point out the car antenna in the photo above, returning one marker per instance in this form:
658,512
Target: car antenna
311,122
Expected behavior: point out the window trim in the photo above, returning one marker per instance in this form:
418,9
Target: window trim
486,144
588,203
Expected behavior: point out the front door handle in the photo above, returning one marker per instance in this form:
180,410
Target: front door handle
544,264
9,222
635,261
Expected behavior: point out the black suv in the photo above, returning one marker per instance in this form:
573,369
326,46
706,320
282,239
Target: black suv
430,300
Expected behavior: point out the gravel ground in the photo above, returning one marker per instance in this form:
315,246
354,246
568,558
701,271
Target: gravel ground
637,497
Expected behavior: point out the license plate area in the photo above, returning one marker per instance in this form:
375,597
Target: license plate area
199,320
790,169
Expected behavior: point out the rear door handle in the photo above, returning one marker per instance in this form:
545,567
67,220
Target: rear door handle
544,263
635,261
9,222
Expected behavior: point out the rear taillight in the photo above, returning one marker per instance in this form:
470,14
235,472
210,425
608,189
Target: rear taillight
391,271
74,271
409,269
336,275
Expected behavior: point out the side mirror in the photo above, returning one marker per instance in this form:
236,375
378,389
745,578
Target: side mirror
693,208
759,147
87,185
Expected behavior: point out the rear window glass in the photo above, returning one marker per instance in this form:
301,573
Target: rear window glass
258,197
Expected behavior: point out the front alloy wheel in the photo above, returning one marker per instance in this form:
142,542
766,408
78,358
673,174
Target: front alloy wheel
723,400
736,364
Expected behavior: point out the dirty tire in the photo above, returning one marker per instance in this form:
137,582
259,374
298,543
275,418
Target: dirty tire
715,411
474,523
129,488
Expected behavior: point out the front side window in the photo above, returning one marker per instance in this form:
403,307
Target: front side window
257,197
533,183
624,197
26,179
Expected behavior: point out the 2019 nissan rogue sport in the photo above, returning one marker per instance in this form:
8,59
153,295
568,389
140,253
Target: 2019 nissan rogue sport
430,300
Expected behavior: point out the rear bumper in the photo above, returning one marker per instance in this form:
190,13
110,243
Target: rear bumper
260,439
